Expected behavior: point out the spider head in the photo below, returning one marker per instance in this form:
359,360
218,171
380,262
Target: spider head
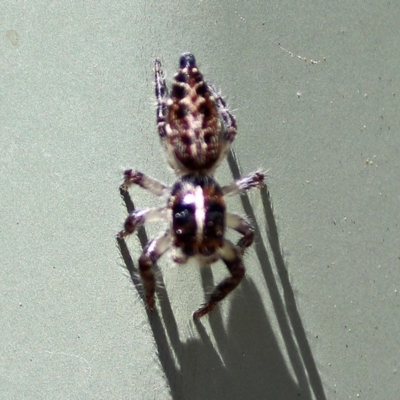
198,215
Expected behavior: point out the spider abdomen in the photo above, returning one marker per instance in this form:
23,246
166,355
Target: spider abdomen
194,124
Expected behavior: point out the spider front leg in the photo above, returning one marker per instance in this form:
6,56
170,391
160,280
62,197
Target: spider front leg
133,177
139,217
161,98
154,249
233,260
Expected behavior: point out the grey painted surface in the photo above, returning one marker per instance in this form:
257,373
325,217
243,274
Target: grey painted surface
76,107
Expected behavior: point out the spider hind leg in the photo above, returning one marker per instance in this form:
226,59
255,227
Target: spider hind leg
133,177
161,92
226,116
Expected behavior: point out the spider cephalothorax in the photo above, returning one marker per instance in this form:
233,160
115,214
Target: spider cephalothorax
196,130
198,213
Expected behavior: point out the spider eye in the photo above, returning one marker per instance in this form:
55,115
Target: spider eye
184,222
215,220
187,60
182,215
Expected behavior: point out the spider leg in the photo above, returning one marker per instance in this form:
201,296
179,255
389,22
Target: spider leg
232,258
154,249
133,177
139,217
226,116
241,225
255,179
161,92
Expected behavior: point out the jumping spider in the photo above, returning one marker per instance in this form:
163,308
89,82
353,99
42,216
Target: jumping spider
196,130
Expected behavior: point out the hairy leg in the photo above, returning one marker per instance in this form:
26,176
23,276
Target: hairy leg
154,249
253,180
133,177
226,116
161,92
139,217
233,260
243,226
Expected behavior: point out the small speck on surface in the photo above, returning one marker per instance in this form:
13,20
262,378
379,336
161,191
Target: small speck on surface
13,37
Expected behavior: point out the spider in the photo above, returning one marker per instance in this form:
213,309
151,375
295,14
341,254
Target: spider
196,130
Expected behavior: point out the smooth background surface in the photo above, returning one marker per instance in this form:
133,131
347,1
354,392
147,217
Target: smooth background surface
76,107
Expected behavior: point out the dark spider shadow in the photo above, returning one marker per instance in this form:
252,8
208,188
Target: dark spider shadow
287,314
164,353
248,360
